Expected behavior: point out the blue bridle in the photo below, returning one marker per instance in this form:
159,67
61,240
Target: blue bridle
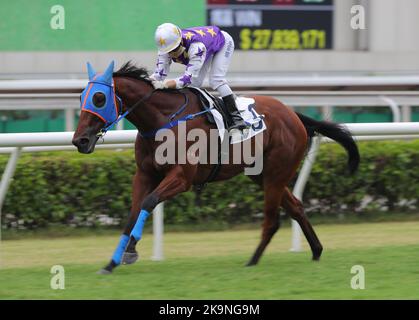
100,99
110,113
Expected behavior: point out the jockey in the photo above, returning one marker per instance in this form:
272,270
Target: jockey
201,50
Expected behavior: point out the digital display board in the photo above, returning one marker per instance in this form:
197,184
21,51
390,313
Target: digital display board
275,24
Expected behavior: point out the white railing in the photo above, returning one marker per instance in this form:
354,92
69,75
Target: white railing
15,143
399,102
63,94
237,80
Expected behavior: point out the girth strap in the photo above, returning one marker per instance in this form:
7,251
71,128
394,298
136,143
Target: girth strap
211,177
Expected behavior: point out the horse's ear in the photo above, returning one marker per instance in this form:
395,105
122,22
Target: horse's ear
107,75
90,71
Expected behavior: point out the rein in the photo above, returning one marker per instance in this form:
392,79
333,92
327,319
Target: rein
174,123
152,133
121,115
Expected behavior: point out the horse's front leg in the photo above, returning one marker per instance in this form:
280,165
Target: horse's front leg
174,183
141,187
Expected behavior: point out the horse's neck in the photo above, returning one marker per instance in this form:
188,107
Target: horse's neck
168,102
146,116
156,110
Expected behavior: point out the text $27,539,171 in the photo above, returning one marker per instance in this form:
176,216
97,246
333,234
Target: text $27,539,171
286,39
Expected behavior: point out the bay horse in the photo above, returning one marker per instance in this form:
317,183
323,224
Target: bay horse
128,92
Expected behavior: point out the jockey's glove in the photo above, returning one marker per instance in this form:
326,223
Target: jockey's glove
159,84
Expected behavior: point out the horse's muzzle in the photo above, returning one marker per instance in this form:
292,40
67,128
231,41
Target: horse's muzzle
85,144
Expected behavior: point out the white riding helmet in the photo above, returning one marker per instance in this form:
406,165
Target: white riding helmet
168,37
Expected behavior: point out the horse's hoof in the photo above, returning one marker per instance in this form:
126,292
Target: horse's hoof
104,271
317,253
129,257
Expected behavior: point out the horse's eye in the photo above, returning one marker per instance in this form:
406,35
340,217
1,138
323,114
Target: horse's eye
99,99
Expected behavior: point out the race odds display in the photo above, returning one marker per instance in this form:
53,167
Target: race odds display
274,24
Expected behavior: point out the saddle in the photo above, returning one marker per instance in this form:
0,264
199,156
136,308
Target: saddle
218,104
216,115
205,104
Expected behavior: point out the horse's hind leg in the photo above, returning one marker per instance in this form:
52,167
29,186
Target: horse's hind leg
295,209
271,222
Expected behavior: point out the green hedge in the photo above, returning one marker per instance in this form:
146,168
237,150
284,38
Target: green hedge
91,190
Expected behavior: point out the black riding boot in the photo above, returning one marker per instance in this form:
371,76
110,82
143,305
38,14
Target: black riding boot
234,119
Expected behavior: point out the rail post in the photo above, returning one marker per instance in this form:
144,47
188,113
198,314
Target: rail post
299,190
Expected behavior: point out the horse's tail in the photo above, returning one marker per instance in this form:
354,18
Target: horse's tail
335,132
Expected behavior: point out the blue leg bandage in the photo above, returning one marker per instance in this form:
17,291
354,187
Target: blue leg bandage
137,231
123,241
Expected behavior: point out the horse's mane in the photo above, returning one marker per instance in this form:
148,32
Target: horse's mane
129,69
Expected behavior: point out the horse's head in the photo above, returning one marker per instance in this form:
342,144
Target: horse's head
99,109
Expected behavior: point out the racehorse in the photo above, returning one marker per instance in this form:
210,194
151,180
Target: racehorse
128,92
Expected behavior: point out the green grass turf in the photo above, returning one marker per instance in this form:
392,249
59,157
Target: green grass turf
210,265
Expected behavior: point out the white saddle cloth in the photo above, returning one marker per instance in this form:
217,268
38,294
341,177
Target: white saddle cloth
247,110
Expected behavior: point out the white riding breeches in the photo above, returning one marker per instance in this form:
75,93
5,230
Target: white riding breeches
217,66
